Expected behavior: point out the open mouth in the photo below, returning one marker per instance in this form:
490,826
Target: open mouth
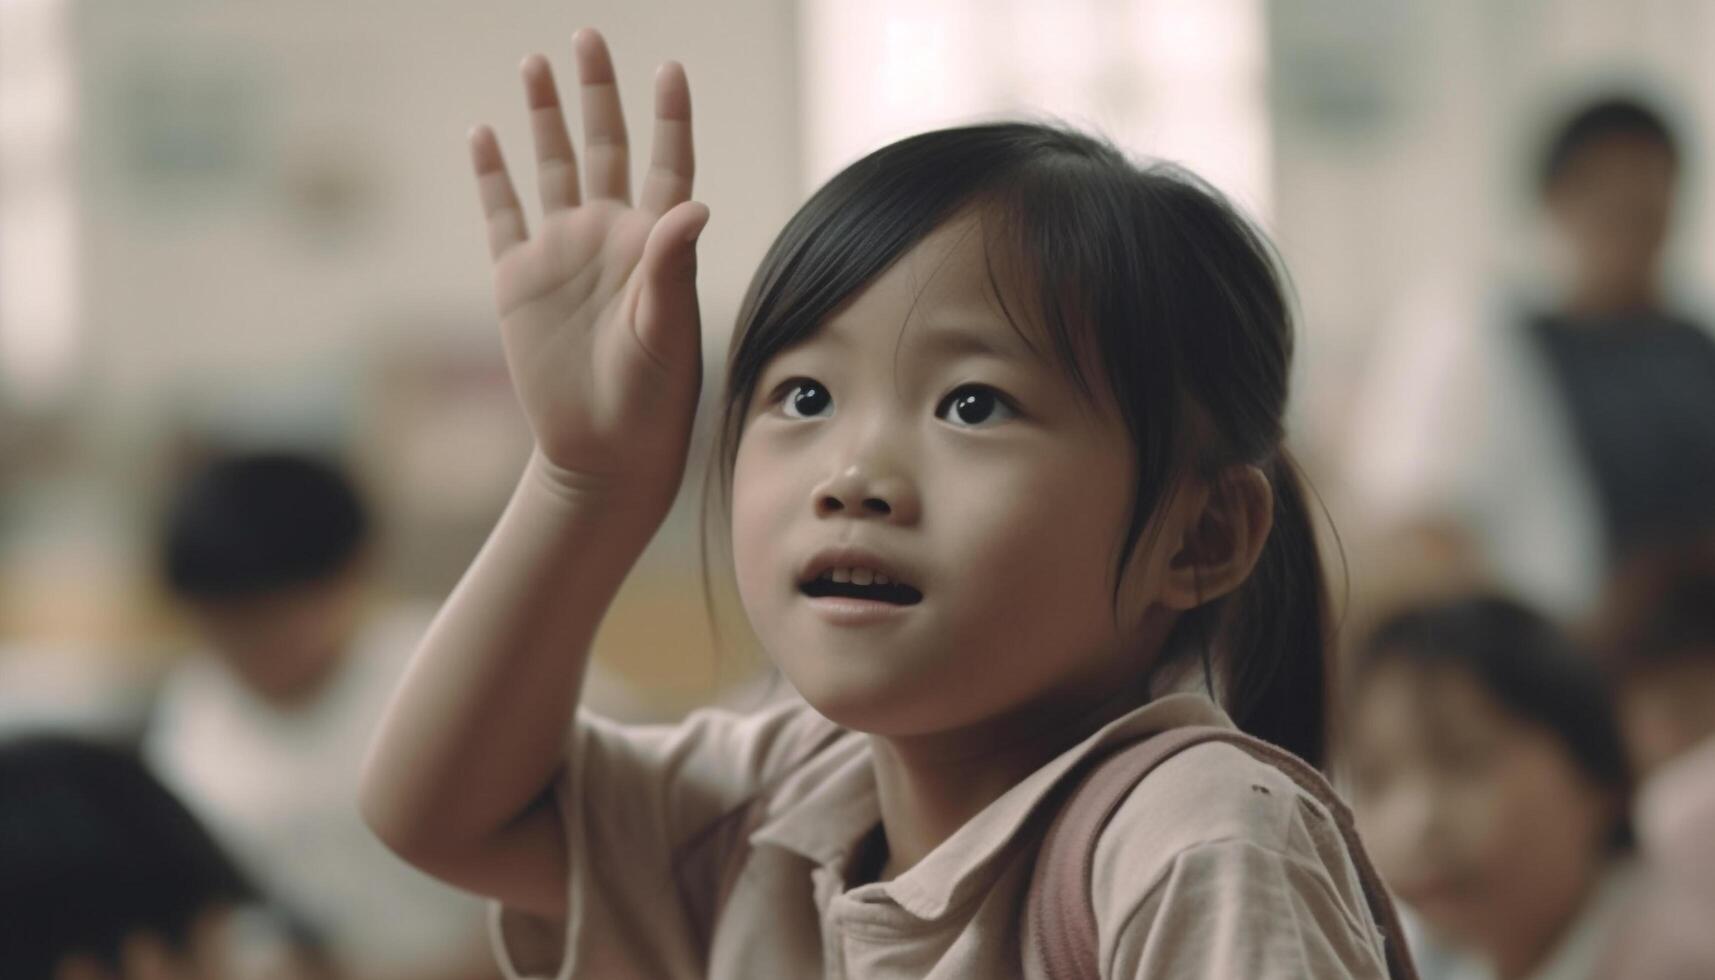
860,583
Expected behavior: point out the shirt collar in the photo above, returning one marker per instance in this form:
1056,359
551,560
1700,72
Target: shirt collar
831,819
828,821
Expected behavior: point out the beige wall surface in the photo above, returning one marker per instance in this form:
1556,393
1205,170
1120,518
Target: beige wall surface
278,240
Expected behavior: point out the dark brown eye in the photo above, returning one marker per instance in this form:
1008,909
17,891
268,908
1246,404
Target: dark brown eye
807,399
973,405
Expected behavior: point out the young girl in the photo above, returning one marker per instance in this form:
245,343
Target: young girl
1491,781
1002,442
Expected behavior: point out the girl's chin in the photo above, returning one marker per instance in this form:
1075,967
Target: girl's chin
872,705
858,710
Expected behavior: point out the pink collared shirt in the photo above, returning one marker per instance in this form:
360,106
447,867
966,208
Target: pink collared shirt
1216,866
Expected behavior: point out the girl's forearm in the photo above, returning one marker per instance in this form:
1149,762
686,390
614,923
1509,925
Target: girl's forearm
475,733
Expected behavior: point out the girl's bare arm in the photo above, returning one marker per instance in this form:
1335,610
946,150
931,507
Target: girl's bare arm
599,318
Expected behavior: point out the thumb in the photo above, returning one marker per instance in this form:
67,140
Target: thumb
668,323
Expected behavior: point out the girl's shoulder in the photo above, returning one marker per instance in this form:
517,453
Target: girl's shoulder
1223,838
1210,792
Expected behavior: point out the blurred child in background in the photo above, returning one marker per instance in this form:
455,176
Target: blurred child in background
1490,782
1660,647
262,733
1541,442
103,874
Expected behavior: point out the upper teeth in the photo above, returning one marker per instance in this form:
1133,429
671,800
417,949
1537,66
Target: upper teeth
856,576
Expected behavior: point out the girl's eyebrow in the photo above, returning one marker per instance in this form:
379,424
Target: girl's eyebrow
962,337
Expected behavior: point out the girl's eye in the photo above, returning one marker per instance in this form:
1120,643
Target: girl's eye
974,405
806,399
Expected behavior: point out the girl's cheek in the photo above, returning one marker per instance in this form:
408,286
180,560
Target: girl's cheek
758,481
760,506
746,513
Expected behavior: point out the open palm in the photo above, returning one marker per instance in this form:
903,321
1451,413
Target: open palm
598,308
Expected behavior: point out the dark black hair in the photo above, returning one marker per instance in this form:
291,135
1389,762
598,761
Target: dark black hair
1521,660
1151,287
92,849
1615,116
253,523
1660,612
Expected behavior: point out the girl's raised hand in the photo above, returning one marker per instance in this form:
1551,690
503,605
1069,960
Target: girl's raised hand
598,308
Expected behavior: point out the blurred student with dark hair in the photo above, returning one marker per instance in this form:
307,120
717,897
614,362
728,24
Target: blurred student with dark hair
1491,784
103,874
1659,644
262,734
1543,442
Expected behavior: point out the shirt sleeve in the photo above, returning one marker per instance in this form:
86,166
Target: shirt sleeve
631,797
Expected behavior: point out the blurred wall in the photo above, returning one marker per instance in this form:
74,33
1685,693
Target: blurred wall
278,239
276,236
1406,139
269,189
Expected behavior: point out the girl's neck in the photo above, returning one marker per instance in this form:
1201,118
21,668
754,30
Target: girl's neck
931,785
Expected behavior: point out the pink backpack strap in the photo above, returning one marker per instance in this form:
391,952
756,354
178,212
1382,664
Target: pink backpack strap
1060,911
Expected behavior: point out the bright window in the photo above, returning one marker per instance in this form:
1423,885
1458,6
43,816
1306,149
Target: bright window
1182,80
38,230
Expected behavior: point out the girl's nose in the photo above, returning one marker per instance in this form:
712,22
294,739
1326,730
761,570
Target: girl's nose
864,490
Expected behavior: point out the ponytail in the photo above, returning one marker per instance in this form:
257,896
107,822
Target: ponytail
1272,636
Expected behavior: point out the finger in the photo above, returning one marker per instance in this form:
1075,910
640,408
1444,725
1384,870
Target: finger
607,160
672,163
500,207
667,315
556,163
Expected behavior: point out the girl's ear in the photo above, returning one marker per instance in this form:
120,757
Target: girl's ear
1221,535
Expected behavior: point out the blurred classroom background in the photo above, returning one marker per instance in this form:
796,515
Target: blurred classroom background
240,224
243,226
